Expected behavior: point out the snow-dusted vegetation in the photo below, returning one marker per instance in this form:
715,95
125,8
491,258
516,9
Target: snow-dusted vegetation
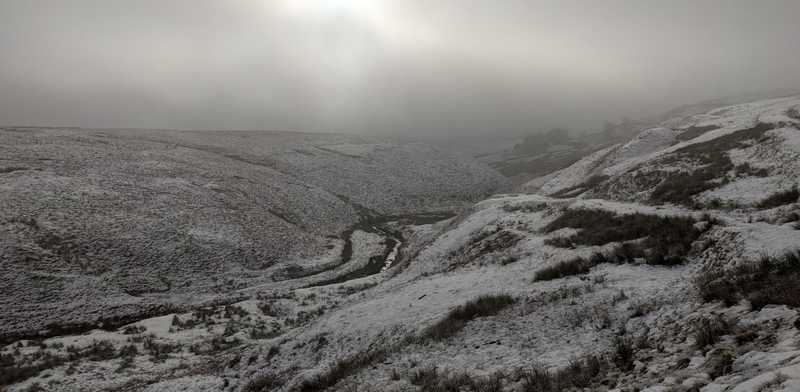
399,196
100,228
666,263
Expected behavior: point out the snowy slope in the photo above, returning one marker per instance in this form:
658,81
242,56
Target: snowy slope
534,330
113,223
664,213
550,324
751,136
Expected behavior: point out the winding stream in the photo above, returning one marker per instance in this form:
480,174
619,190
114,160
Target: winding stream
393,244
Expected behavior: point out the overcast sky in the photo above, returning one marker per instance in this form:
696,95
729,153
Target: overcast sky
383,66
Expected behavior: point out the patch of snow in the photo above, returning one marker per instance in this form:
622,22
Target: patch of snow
744,191
577,173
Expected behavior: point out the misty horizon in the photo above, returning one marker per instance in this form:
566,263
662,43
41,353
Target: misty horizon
406,69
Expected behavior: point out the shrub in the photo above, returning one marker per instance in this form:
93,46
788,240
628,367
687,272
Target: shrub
560,242
790,217
159,351
619,297
538,379
262,383
780,198
508,259
712,157
492,383
12,372
578,374
576,266
126,363
720,363
680,187
601,318
707,331
269,308
424,376
641,308
264,332
482,243
527,207
133,329
100,351
128,353
16,373
341,369
234,311
575,317
626,252
456,319
745,336
745,169
231,328
665,260
717,204
662,240
623,353
35,387
771,280
215,345
273,351
601,227
429,379
567,292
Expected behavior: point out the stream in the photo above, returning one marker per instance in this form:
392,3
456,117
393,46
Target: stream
393,244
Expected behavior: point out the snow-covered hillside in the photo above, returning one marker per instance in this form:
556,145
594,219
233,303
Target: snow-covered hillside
667,263
734,156
115,225
642,318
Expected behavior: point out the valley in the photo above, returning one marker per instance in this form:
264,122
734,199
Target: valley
636,268
399,196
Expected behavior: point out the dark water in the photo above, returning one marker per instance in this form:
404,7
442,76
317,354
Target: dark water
391,239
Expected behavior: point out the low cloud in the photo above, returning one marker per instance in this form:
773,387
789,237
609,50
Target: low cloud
383,66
